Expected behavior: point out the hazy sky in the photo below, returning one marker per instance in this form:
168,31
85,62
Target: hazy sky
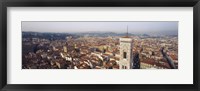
166,28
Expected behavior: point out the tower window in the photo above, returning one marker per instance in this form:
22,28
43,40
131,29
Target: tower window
124,55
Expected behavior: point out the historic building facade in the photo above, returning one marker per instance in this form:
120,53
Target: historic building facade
126,55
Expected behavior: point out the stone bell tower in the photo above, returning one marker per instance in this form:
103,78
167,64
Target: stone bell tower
126,56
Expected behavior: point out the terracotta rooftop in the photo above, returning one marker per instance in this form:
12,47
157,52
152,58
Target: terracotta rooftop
125,37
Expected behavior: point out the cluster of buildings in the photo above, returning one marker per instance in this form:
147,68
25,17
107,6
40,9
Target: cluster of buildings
88,52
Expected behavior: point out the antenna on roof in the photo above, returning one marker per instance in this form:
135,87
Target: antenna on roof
127,31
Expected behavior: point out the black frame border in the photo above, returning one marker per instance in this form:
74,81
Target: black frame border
99,3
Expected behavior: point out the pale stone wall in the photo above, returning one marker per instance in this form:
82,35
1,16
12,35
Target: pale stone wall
126,46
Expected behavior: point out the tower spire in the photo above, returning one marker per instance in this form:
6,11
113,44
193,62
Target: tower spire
127,31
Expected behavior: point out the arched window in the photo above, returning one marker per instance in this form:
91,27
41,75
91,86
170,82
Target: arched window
124,55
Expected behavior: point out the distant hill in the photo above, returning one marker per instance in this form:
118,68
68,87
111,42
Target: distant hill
58,36
50,36
102,34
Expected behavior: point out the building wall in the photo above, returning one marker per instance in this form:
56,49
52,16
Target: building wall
126,46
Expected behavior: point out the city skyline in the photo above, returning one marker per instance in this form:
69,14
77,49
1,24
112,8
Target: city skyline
144,27
45,48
